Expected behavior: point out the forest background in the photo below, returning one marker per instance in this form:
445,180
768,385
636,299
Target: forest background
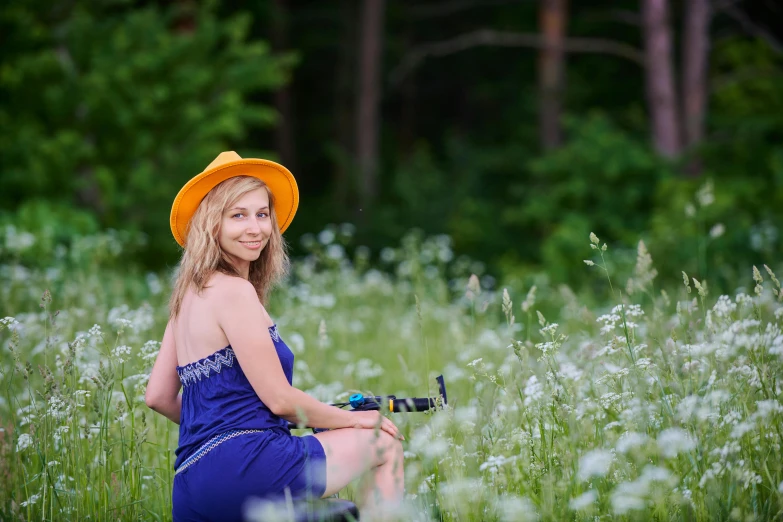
515,127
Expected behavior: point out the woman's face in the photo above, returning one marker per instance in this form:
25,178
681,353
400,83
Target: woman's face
246,228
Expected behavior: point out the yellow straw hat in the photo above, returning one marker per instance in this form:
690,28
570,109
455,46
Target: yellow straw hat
228,165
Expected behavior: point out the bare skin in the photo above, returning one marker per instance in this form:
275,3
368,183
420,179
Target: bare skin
228,312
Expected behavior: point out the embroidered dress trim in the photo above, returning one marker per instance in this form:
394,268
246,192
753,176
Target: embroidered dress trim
211,444
190,373
225,358
273,333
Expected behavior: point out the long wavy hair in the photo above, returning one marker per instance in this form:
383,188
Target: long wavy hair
202,256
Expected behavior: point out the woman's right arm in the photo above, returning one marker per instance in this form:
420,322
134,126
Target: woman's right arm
242,318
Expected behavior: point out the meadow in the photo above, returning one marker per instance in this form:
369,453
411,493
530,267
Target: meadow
649,404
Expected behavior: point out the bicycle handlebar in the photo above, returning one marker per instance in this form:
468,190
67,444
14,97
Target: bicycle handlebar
361,403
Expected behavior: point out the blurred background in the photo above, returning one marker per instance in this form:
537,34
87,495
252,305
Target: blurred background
515,128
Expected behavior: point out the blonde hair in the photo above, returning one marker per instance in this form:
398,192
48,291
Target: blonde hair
202,256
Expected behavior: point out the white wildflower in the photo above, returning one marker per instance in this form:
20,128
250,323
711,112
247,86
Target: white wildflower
672,441
644,363
475,362
631,440
326,236
549,329
493,463
747,477
95,331
724,307
624,501
741,429
570,371
633,310
516,509
595,463
24,442
766,408
60,431
609,399
717,230
547,347
610,322
120,353
30,501
58,408
461,491
335,252
121,324
633,495
153,283
584,500
534,390
364,369
149,350
427,485
705,195
9,322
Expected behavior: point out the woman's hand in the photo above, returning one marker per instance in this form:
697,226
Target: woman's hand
372,419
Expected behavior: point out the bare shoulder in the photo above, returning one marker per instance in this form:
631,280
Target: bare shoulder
230,293
223,285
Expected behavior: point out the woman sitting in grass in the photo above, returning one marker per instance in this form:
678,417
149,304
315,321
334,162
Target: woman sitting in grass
236,402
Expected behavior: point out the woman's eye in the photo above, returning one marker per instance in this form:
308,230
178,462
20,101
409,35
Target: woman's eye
264,214
237,215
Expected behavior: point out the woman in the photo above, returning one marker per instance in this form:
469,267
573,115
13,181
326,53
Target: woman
236,402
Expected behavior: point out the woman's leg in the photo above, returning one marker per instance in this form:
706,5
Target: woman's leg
350,452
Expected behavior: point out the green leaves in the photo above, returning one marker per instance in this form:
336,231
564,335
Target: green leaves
114,108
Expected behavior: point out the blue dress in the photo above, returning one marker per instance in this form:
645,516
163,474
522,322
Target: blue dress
232,447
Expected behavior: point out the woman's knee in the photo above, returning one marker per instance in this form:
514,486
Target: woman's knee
390,447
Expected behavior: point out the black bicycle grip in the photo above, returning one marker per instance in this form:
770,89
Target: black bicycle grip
411,404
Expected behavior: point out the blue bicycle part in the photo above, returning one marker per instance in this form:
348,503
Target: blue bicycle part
356,400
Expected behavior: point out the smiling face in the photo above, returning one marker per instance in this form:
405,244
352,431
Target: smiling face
245,229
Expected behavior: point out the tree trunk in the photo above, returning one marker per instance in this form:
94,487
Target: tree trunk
696,48
185,16
551,71
661,94
406,130
367,124
284,130
344,119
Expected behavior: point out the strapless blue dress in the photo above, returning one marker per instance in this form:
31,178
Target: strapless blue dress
232,447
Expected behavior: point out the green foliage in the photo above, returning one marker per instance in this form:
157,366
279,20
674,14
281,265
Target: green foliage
649,406
109,106
602,179
111,109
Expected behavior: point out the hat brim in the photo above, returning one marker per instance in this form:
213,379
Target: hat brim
278,178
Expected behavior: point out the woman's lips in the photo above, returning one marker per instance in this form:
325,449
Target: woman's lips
252,245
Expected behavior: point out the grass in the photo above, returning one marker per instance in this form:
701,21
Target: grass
662,405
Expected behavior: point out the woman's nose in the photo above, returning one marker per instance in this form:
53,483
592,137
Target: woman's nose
254,226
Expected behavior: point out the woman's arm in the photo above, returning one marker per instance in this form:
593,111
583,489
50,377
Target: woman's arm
242,318
163,387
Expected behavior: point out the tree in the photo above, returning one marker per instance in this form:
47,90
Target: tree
368,95
553,16
696,49
284,128
117,128
661,93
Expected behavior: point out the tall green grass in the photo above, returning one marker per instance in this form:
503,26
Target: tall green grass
658,404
